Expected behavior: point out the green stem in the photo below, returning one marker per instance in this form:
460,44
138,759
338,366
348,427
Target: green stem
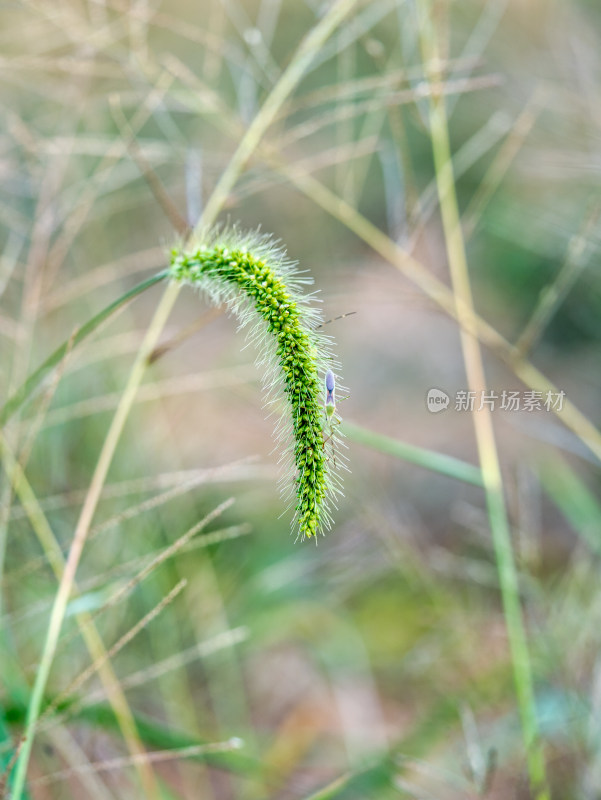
429,459
14,403
287,83
487,450
68,577
89,632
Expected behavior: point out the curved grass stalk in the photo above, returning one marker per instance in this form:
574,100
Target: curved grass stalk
24,392
252,277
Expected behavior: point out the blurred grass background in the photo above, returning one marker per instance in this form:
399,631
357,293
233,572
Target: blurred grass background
377,664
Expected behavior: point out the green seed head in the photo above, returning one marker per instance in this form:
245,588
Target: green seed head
252,276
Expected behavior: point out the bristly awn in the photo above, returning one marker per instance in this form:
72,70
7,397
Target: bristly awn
340,316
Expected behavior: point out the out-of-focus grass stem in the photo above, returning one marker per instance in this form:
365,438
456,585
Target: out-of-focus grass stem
305,53
553,294
290,79
485,438
428,459
94,643
502,161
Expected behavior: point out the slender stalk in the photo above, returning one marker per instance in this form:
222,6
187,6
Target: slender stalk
83,525
485,438
552,296
428,459
287,83
89,632
14,403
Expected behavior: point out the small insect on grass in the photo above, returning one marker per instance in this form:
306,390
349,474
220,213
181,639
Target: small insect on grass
332,417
